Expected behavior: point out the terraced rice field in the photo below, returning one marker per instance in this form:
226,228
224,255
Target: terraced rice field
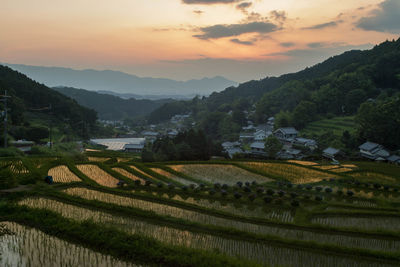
304,163
128,174
341,170
364,223
172,176
294,174
372,177
15,166
97,159
98,175
165,234
30,247
61,174
216,173
140,171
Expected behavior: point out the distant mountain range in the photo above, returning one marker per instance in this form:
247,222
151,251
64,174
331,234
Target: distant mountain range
112,107
120,82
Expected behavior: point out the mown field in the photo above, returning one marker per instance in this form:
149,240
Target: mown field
107,210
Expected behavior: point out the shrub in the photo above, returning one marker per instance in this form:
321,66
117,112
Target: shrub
306,196
185,188
224,193
247,183
148,183
299,186
237,195
254,183
270,192
212,192
386,188
332,180
159,185
339,192
7,179
138,182
328,190
192,186
202,185
225,186
350,193
217,185
171,186
260,190
252,197
318,198
267,199
318,188
247,189
278,201
309,187
293,195
281,193
289,185
240,184
295,203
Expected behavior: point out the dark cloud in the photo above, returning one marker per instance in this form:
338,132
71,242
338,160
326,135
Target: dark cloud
237,41
316,45
384,19
322,26
287,44
198,12
209,2
278,15
228,30
244,6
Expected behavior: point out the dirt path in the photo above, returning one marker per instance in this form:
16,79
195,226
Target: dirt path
17,189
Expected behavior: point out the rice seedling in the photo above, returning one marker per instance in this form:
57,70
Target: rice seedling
349,166
98,175
215,173
171,176
302,162
366,223
326,167
294,174
274,214
30,247
61,174
128,174
261,252
97,159
123,159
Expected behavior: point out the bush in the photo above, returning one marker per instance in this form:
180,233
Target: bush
160,185
289,185
217,185
148,183
171,186
293,195
299,186
247,189
328,190
309,187
225,186
267,199
254,183
240,184
138,182
295,203
247,183
318,188
281,193
224,193
185,188
212,192
192,186
260,190
237,195
377,186
252,197
350,193
270,192
339,192
318,198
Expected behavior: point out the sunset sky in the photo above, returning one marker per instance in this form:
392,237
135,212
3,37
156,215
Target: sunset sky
185,39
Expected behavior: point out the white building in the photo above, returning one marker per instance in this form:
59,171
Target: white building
120,144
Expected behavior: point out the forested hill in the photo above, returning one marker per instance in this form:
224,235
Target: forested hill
111,107
28,105
335,87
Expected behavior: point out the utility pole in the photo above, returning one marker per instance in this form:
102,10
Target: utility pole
51,144
4,99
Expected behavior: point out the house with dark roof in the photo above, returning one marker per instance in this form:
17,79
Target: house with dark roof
310,143
394,159
258,148
373,151
23,145
287,134
330,153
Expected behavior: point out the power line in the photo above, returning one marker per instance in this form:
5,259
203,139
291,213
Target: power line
4,99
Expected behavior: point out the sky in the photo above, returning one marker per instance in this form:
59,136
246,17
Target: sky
185,39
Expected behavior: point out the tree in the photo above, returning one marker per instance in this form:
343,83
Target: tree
272,146
304,113
283,119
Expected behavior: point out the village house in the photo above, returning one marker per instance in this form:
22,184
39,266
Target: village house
150,135
394,159
373,151
330,153
310,143
287,134
261,135
172,133
258,148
